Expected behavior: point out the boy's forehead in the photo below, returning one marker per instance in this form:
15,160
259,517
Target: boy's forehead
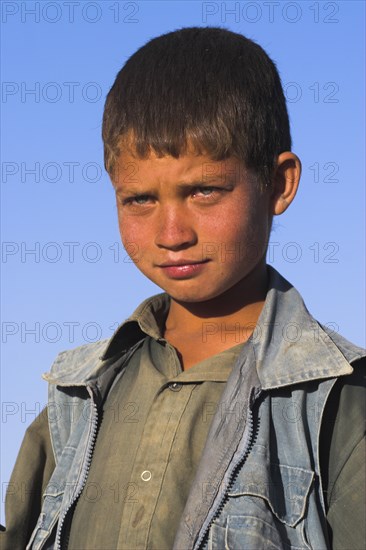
130,142
188,167
191,163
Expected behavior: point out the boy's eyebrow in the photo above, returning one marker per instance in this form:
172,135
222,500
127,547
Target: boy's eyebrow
183,184
204,181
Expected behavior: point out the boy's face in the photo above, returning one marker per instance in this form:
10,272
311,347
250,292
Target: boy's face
194,226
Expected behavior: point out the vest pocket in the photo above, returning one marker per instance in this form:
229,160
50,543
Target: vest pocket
264,509
254,534
284,488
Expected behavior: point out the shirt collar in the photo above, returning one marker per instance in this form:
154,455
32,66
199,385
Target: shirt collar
288,344
147,320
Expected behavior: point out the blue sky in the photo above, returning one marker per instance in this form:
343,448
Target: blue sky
66,280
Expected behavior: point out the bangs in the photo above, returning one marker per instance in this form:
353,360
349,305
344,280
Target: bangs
206,89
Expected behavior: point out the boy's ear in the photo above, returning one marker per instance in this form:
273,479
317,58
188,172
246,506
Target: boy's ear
285,182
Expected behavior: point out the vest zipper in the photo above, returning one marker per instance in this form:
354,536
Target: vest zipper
88,459
247,442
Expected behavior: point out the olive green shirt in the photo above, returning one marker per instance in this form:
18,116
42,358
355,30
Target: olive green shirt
342,457
149,447
154,427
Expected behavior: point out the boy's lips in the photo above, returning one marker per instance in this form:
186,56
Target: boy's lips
174,263
182,269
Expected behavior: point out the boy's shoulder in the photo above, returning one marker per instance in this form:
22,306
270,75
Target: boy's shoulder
284,307
73,365
352,352
82,363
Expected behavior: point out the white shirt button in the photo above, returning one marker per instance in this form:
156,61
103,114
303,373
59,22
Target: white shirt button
146,475
175,386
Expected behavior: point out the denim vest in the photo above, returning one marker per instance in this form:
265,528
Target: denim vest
258,484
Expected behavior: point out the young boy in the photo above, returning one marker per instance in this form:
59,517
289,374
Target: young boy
220,414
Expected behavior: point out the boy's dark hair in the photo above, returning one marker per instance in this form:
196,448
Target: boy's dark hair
206,86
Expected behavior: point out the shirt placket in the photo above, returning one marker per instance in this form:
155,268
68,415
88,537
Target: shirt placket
151,462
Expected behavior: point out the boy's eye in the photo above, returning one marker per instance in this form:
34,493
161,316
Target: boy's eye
137,199
140,199
205,191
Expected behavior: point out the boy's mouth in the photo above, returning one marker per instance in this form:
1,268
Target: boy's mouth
181,262
182,269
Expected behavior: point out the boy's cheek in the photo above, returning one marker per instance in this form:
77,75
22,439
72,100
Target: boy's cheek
132,242
130,229
134,252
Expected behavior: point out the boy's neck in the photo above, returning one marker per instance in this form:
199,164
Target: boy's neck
222,322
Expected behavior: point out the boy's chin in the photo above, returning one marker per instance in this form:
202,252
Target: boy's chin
195,297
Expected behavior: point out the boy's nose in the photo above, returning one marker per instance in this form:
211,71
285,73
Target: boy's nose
174,230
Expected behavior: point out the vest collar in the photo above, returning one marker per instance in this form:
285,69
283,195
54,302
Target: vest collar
289,345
